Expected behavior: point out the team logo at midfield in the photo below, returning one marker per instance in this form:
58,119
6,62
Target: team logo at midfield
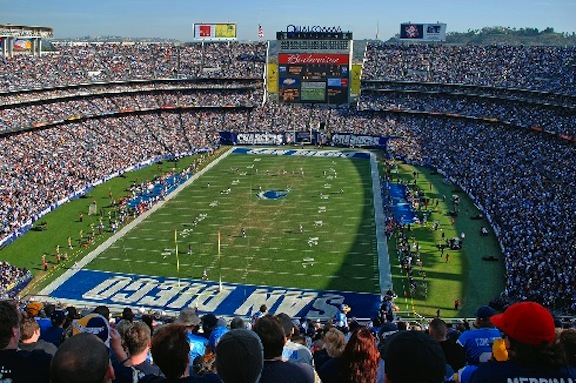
273,194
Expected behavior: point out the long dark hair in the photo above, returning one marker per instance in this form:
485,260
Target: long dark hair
547,355
360,358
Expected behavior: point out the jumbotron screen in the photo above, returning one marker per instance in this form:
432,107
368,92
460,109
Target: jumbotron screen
313,78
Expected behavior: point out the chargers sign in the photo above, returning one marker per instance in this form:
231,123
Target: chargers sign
172,295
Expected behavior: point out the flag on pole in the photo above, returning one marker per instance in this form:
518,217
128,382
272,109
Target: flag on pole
260,31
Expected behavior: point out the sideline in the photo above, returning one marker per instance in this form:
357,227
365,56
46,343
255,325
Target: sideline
379,219
125,230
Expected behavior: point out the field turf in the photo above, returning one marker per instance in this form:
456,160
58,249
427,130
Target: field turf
339,254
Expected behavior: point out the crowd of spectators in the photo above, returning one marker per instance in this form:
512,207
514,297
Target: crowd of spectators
71,65
527,115
189,346
519,178
549,69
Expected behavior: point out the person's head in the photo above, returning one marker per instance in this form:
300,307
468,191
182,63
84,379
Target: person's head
334,342
9,325
58,317
127,314
102,310
237,323
361,356
413,357
82,358
438,329
567,340
239,357
271,333
529,332
483,315
188,318
137,338
171,350
29,330
287,324
208,323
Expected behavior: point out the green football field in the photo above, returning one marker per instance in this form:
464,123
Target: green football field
319,235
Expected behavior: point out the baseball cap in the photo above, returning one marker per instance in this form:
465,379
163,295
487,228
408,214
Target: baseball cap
485,312
527,322
344,307
403,348
188,317
93,324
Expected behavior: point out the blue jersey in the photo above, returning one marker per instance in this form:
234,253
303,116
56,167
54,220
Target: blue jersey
478,343
197,347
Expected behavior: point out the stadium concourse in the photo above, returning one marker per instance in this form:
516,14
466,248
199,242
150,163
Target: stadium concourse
504,133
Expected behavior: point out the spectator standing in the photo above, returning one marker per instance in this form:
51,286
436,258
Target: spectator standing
239,357
333,345
197,343
455,354
19,365
54,333
478,342
292,351
82,359
138,340
533,354
359,363
276,370
30,337
171,352
413,357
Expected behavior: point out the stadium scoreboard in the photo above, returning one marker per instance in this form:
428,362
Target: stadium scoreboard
314,65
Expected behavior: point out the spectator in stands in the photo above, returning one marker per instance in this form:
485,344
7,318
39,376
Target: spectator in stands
82,359
360,361
197,343
237,323
567,339
171,352
259,314
534,355
30,337
54,333
455,354
19,365
239,357
292,351
333,345
477,343
138,341
414,357
276,370
208,322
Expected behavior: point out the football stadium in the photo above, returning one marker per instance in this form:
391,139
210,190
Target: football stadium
349,184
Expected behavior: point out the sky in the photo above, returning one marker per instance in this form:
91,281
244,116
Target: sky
175,18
